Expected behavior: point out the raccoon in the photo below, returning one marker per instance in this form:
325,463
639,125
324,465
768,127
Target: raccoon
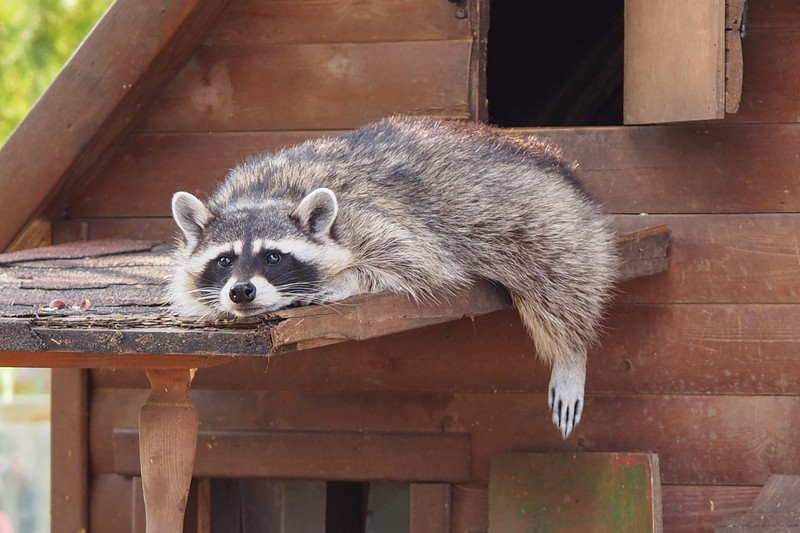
422,207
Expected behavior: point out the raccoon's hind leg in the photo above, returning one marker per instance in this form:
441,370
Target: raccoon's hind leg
560,342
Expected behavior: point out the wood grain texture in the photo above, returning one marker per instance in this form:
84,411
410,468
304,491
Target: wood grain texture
92,101
344,86
430,508
700,508
747,169
267,22
649,349
69,457
776,509
167,436
771,60
295,454
700,439
674,61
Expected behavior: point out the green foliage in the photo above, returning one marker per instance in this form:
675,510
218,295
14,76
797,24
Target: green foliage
36,39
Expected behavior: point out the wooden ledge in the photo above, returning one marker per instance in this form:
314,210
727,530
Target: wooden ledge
103,302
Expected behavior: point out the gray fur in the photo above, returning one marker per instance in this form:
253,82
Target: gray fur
426,207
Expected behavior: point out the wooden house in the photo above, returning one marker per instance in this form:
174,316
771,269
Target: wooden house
697,365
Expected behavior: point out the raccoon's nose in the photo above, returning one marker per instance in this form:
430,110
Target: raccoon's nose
243,292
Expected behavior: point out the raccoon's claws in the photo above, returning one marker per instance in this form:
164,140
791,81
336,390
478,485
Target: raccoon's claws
565,397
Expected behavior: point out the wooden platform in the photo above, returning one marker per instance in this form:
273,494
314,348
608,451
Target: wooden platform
102,303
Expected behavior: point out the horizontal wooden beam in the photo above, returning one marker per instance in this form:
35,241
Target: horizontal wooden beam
361,456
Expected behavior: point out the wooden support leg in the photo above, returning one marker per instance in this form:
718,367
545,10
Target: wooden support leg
167,440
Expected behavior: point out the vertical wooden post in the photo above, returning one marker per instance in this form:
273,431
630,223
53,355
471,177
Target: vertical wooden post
167,440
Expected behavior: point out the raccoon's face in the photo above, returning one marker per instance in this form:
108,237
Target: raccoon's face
256,258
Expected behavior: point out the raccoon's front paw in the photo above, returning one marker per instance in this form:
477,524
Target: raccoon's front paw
565,396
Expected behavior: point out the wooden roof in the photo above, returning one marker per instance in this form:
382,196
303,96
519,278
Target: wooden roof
131,53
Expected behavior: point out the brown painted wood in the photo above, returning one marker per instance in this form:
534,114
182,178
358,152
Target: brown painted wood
430,508
719,169
255,88
92,101
167,435
470,508
652,349
138,515
204,505
478,14
773,16
674,61
723,259
769,78
69,457
776,509
110,504
259,23
296,454
700,439
699,509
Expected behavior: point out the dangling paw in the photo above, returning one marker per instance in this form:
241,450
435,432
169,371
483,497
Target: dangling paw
565,396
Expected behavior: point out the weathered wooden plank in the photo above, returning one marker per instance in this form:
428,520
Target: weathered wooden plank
260,22
700,439
296,455
699,509
347,85
364,317
92,101
648,349
770,78
674,61
773,16
110,508
430,508
719,169
723,258
574,492
776,509
69,456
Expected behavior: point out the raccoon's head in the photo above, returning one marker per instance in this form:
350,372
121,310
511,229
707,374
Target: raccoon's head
253,258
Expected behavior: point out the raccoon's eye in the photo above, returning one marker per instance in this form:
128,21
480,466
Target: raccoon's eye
225,261
273,258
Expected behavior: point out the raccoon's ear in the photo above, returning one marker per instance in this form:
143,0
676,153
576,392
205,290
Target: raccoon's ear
317,211
191,215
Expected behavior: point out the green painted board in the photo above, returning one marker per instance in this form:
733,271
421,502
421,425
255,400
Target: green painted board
574,492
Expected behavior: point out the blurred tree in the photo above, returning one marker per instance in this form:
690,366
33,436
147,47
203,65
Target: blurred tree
36,39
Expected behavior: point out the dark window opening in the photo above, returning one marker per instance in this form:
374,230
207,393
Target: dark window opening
555,63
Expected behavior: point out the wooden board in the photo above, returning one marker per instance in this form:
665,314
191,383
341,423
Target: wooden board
674,61
700,439
700,508
574,492
260,22
776,509
347,85
747,169
296,455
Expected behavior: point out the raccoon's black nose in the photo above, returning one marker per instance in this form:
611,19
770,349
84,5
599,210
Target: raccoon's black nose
243,292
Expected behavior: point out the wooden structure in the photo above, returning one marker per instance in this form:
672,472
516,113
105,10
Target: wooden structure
696,365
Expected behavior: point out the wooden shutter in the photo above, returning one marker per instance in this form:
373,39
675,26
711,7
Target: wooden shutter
674,60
